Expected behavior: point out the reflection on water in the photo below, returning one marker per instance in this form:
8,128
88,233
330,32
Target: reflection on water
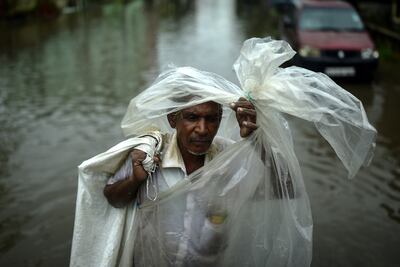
64,87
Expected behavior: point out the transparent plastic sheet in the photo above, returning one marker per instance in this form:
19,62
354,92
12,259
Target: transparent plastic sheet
237,211
248,206
338,115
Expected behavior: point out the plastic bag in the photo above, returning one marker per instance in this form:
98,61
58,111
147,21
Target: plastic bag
248,206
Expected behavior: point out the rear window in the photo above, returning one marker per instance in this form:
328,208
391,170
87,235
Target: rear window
330,19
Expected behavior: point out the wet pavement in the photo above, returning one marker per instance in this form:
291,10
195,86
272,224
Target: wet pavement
65,85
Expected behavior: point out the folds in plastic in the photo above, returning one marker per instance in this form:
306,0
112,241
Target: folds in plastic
248,206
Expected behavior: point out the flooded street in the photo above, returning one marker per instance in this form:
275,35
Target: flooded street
64,87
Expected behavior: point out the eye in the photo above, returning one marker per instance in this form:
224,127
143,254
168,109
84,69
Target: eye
212,119
191,117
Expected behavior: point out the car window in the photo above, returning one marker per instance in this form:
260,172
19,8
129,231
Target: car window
334,19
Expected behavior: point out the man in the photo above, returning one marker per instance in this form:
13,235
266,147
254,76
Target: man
240,209
189,149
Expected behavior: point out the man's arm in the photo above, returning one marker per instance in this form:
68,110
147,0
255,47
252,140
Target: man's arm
123,192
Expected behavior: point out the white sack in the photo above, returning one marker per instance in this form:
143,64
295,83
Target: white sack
255,185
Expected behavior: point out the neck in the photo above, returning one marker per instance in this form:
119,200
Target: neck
192,162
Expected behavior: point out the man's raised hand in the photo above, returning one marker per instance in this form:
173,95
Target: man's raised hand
246,116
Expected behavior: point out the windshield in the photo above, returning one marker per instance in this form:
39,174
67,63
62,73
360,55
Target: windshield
330,19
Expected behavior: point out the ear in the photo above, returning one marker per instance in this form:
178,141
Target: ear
172,119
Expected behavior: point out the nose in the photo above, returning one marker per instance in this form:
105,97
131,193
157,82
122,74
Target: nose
201,127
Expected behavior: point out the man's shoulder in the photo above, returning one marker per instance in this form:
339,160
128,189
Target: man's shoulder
221,142
218,145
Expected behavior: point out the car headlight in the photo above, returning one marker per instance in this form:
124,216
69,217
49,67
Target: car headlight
369,53
308,51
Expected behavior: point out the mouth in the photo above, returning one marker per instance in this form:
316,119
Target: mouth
201,141
199,147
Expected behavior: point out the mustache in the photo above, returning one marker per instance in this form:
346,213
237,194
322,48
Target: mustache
201,139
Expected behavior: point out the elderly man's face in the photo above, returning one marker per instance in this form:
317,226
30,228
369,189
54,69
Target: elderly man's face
196,127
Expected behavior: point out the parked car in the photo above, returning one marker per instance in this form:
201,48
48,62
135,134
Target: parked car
330,37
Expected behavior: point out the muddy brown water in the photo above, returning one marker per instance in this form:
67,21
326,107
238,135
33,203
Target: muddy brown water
65,84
